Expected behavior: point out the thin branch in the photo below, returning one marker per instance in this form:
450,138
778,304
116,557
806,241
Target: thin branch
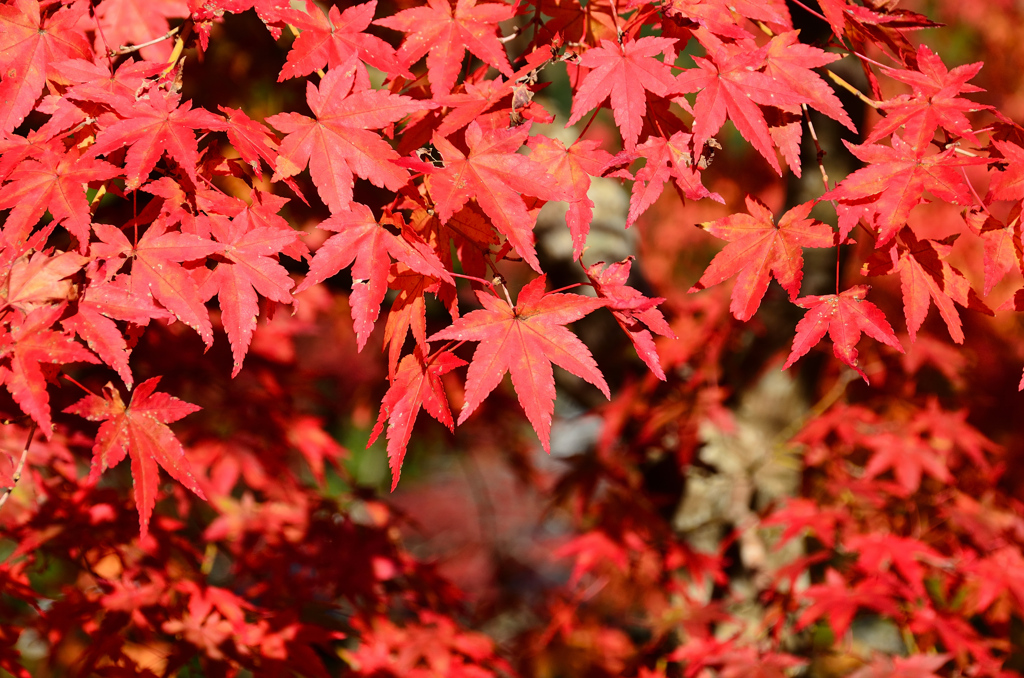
852,90
128,49
21,467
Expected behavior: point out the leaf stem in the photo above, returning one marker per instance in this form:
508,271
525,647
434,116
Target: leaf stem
76,383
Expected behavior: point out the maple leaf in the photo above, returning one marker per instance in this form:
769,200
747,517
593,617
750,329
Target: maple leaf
759,248
804,514
1000,242
899,176
156,273
337,142
623,72
495,175
39,280
366,245
592,550
934,103
408,311
91,82
789,62
157,124
730,81
416,384
252,139
999,575
101,301
467,106
54,183
719,18
139,430
335,38
525,339
907,457
632,310
249,268
572,167
262,212
27,343
666,159
467,232
877,552
838,601
926,275
845,317
1008,184
445,36
914,666
28,47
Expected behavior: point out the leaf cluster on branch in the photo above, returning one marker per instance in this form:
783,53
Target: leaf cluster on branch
404,154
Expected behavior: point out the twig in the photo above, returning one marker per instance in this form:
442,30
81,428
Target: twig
135,48
852,90
21,466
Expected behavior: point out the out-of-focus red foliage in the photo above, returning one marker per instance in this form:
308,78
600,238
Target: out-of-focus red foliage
208,207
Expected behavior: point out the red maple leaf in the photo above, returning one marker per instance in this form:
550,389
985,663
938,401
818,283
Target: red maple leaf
252,139
572,167
838,601
897,178
880,552
140,430
465,107
525,339
759,248
934,103
666,160
156,271
27,343
368,246
333,39
789,62
31,282
926,275
907,457
54,183
29,44
101,302
801,514
998,575
445,36
495,174
157,124
623,73
408,311
1008,184
337,143
636,314
416,384
262,212
914,666
730,81
845,317
249,267
91,82
1000,242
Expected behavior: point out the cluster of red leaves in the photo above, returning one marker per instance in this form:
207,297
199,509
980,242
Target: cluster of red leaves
126,204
